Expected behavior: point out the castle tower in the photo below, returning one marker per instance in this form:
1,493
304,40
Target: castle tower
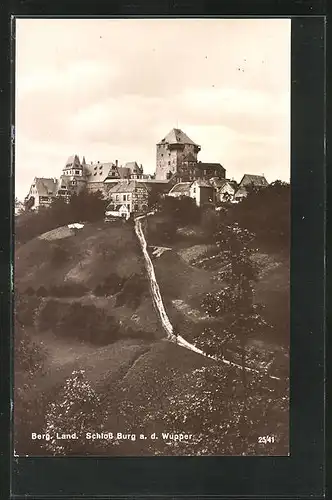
73,177
171,152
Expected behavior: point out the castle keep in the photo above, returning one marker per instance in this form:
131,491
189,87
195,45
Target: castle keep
172,151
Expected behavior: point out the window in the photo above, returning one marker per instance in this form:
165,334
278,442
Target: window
128,206
124,197
95,167
95,173
117,197
162,154
77,172
136,207
169,163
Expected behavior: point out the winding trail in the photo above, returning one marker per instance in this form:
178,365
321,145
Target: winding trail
160,308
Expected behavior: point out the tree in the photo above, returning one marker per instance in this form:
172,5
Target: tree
84,206
266,213
234,303
76,409
210,404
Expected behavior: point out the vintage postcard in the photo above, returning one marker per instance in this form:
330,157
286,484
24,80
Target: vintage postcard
152,237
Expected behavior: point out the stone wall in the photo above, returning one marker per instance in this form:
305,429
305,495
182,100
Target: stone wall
170,159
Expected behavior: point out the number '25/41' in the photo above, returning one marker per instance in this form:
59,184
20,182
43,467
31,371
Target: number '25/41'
266,439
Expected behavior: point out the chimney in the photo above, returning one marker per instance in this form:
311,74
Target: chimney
116,163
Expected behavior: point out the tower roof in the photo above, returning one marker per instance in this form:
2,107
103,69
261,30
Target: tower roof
73,160
177,136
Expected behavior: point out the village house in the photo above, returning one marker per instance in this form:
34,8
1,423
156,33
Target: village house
249,181
225,189
127,197
41,193
199,190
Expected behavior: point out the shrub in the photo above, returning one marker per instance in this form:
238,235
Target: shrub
29,356
134,289
76,409
88,323
110,286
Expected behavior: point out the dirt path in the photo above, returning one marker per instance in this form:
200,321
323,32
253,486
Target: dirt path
160,308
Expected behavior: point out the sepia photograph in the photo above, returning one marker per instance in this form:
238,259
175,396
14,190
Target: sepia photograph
152,237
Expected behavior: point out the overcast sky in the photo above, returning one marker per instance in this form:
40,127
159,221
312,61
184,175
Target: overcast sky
112,89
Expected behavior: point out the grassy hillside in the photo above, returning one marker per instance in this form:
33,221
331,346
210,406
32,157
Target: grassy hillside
83,304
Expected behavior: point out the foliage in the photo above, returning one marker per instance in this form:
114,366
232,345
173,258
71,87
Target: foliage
234,302
76,409
29,356
266,213
85,206
88,323
221,419
111,285
181,210
134,289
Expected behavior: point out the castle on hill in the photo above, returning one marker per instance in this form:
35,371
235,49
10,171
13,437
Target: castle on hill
178,173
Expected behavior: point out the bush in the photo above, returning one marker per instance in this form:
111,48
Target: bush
29,356
181,210
110,286
134,289
266,212
85,206
76,409
88,323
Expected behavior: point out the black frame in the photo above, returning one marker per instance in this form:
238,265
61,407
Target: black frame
301,474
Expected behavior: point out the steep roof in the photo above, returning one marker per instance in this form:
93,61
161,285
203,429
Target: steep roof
46,186
220,183
204,165
202,183
97,172
181,187
134,167
253,180
240,193
72,160
126,186
177,136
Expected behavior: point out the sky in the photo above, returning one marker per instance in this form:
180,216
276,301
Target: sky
112,88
